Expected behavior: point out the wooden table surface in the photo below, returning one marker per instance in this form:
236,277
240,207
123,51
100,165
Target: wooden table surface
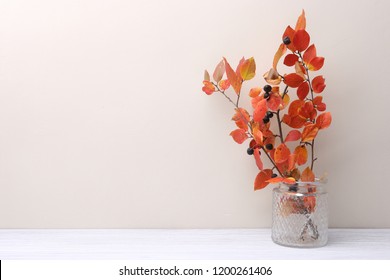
184,244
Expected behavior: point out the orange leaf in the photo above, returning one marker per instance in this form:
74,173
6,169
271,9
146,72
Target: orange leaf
307,175
219,71
309,133
257,135
272,77
254,92
208,87
206,76
316,63
241,114
281,153
291,162
293,80
301,22
233,78
241,117
301,155
289,180
285,101
324,120
274,101
290,59
262,178
275,180
224,84
279,53
301,40
256,154
293,135
294,121
318,84
260,110
289,32
239,135
303,90
309,54
248,69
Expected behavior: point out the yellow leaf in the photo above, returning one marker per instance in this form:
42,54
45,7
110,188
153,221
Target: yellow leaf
248,69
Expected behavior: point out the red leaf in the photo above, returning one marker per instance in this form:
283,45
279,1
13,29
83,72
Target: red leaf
301,40
239,135
260,110
293,80
301,22
316,63
324,120
293,135
303,90
301,155
208,87
255,92
274,101
295,107
262,178
234,79
307,175
248,69
309,133
219,71
290,59
318,84
281,153
317,101
256,154
309,54
289,32
279,53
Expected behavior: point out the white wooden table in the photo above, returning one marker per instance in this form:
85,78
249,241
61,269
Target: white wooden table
180,244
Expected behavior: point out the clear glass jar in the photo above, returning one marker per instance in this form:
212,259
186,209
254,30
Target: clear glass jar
300,215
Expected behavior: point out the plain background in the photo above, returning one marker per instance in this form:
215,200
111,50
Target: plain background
103,123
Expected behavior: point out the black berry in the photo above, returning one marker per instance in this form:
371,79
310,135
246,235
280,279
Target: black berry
266,120
269,146
274,175
250,151
269,114
286,40
267,88
266,95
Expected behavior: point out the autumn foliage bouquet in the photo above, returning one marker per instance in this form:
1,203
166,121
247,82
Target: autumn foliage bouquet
294,101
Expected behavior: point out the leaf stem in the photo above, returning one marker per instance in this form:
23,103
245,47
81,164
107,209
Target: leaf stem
273,163
312,97
278,116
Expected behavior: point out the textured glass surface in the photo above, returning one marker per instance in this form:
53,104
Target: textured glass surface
300,215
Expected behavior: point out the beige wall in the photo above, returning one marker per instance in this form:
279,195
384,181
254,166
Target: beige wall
103,123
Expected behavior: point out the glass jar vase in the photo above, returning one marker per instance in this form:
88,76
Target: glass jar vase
300,215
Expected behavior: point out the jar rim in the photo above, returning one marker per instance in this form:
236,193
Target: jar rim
317,182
